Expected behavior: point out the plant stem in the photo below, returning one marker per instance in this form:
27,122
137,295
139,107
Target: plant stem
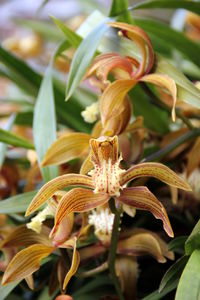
162,105
112,253
182,139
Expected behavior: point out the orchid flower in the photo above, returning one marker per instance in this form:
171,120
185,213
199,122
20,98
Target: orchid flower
107,180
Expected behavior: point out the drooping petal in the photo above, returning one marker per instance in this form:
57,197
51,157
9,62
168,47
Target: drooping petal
22,236
90,252
141,198
64,230
143,243
118,123
136,34
30,281
74,265
127,272
26,262
112,99
67,147
78,200
155,170
56,184
193,157
87,165
164,81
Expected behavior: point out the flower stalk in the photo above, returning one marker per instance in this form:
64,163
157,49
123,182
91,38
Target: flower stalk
113,248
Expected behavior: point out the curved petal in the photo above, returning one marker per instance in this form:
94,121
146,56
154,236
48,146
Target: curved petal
56,184
135,33
74,266
26,262
193,157
141,198
67,147
112,99
77,200
143,243
64,230
155,170
164,81
22,236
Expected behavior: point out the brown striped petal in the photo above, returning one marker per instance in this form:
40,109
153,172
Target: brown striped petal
143,243
64,230
74,265
78,200
22,236
26,262
60,182
164,81
156,170
193,157
141,198
67,147
113,98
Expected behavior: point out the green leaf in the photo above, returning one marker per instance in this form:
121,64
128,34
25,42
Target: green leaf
7,289
189,284
44,123
154,118
177,245
3,146
29,80
173,273
14,140
73,38
45,29
189,5
176,39
186,90
120,8
193,241
17,203
83,57
156,295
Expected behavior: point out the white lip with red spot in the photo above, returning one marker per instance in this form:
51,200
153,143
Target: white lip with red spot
107,177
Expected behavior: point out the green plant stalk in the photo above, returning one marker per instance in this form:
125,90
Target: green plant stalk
112,253
182,139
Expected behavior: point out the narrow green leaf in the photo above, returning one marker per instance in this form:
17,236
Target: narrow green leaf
44,123
189,5
83,57
189,284
17,203
178,244
193,241
174,38
14,140
3,146
120,8
45,29
157,296
73,38
7,289
186,90
173,273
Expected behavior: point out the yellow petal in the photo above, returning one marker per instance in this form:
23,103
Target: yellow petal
193,157
164,81
141,198
26,262
74,266
112,99
30,282
155,170
67,147
87,165
56,184
143,243
22,236
78,200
